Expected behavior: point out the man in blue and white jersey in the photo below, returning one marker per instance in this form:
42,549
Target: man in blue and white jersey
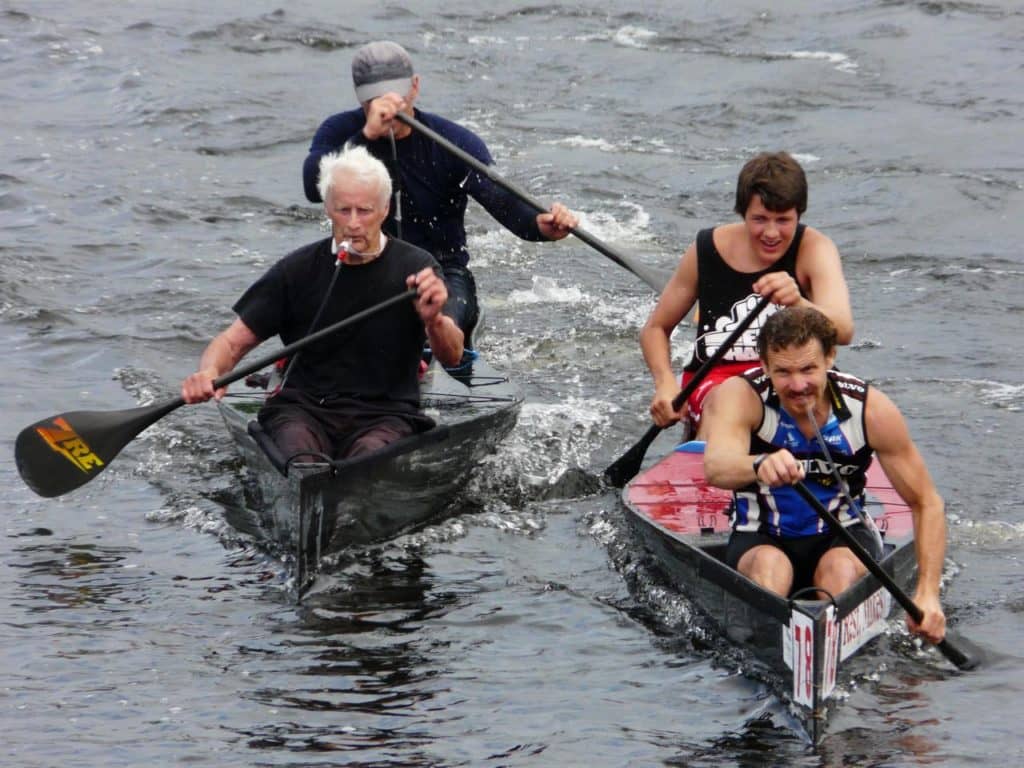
761,440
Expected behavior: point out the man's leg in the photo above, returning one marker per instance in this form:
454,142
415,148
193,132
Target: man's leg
837,570
761,561
297,433
378,436
462,299
839,567
768,566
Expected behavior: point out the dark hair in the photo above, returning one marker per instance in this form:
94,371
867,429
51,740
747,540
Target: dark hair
794,327
777,179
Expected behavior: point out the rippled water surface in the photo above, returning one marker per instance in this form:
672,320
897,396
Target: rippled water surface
150,169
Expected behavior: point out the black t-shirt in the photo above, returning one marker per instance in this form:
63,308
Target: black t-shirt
375,360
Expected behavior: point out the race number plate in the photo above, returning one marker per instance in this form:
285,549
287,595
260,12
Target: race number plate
830,663
801,643
798,652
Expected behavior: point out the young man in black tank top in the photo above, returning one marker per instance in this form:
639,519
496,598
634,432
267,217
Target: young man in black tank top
727,269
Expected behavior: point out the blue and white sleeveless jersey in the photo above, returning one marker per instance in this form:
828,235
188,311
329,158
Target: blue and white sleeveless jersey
780,512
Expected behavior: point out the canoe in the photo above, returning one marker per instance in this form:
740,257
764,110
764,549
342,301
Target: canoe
314,511
800,642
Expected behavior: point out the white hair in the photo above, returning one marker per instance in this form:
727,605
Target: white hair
357,163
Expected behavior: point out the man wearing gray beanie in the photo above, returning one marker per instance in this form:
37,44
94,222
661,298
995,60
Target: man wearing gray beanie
432,187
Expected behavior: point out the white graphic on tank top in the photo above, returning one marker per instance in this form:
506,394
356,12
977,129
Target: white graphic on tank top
745,347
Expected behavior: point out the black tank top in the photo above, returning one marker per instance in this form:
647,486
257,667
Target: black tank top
726,296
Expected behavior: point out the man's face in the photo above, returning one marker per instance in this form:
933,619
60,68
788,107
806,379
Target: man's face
770,232
799,375
356,213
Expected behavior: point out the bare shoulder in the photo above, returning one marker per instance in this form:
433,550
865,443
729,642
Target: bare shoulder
679,294
736,398
817,262
886,428
730,236
816,242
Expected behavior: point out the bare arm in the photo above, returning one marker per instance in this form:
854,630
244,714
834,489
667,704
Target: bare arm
731,415
446,338
676,300
820,273
820,269
888,434
220,356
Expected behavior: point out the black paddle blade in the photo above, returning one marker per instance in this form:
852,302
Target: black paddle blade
61,453
959,650
628,465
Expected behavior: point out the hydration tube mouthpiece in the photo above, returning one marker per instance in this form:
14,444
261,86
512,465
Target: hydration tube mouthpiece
343,249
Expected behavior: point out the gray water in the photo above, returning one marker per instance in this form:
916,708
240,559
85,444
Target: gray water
150,169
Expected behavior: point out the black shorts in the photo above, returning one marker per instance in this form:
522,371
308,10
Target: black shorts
804,552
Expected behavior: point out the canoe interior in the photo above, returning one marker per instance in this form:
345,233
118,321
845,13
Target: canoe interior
800,643
318,510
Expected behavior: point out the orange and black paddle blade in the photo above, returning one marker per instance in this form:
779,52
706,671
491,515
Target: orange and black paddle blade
61,453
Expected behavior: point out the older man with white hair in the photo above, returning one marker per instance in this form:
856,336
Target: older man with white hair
356,390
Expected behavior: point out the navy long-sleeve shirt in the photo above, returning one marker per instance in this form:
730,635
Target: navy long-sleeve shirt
435,185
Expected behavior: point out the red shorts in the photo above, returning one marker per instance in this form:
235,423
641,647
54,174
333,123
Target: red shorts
695,403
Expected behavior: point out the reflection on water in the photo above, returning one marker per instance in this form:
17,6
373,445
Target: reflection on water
56,574
355,665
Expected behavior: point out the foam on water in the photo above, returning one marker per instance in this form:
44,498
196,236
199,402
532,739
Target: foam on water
546,290
633,37
486,41
549,441
841,61
497,247
1003,395
649,144
632,226
989,533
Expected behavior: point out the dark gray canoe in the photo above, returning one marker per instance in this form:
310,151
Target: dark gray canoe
799,643
317,510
